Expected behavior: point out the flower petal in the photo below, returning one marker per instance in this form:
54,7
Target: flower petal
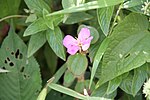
68,41
73,50
84,34
86,43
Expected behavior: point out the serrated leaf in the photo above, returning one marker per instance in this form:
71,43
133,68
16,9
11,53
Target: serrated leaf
7,9
129,48
37,6
104,18
37,26
54,38
36,42
16,85
77,64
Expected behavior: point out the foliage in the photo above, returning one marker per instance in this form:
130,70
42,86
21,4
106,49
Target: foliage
34,63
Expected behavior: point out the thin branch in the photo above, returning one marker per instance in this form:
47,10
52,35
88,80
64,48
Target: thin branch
12,16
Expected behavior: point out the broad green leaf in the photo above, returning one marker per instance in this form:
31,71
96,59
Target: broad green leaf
87,6
36,42
138,79
37,6
68,78
93,32
101,92
23,82
37,26
98,57
54,38
104,18
74,17
7,8
49,54
77,64
129,48
113,85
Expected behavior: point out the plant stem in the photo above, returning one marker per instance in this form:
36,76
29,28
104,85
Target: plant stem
113,24
12,16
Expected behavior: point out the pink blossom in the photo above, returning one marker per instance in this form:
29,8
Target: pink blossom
82,43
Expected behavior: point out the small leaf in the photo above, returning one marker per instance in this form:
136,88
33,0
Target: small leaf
68,78
54,38
77,64
104,18
68,3
37,6
36,41
42,94
31,18
37,26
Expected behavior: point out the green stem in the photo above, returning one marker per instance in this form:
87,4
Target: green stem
12,16
113,24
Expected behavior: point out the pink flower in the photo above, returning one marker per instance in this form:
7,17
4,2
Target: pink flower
82,43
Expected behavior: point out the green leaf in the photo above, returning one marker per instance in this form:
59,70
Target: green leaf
132,3
126,84
113,85
7,8
37,26
49,54
37,6
54,38
129,48
77,64
104,18
138,79
23,82
93,32
107,3
73,93
98,57
42,94
68,78
87,6
36,42
31,18
68,3
101,92
66,91
74,17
